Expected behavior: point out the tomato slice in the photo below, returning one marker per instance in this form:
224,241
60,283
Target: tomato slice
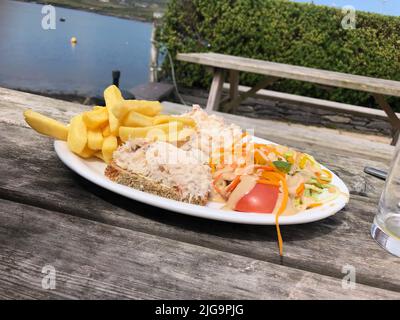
261,199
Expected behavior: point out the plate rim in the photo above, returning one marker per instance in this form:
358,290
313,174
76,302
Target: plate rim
77,164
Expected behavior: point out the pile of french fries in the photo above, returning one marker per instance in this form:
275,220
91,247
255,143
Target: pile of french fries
99,132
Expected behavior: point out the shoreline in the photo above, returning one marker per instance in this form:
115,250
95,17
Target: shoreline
65,96
92,10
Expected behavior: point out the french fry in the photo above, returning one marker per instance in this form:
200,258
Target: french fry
126,133
110,144
136,119
112,95
113,98
98,132
86,153
148,108
99,155
95,118
95,139
106,131
77,134
113,122
46,125
120,109
163,118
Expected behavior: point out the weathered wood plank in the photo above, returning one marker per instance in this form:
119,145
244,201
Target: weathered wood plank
13,103
98,261
32,174
280,70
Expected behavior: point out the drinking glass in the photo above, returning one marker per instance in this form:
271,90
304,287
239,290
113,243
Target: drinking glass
386,226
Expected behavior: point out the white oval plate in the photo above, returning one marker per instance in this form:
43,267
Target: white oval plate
93,170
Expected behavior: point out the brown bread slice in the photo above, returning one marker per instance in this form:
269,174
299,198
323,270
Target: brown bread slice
142,183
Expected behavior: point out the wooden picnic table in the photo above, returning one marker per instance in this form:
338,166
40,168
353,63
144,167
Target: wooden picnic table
106,246
223,64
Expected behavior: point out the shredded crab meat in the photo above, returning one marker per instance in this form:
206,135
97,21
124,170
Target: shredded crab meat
167,164
212,132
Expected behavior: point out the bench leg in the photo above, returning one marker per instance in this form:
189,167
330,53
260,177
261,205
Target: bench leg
232,105
393,119
233,88
396,137
214,98
233,84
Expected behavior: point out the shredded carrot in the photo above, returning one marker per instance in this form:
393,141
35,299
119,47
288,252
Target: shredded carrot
260,158
300,190
269,182
221,155
272,177
318,177
268,149
266,176
233,184
213,167
314,205
215,184
274,174
265,168
280,211
279,179
243,145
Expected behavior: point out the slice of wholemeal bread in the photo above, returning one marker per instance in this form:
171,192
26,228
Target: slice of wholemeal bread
142,183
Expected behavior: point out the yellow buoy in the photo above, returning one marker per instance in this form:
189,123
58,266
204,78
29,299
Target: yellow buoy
74,40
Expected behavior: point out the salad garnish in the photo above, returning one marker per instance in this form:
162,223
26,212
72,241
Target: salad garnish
270,179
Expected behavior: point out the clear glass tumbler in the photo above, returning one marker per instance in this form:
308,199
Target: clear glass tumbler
386,227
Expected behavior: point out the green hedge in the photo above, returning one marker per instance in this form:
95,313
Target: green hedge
286,32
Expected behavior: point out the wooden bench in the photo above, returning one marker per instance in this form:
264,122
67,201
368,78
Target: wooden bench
224,64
